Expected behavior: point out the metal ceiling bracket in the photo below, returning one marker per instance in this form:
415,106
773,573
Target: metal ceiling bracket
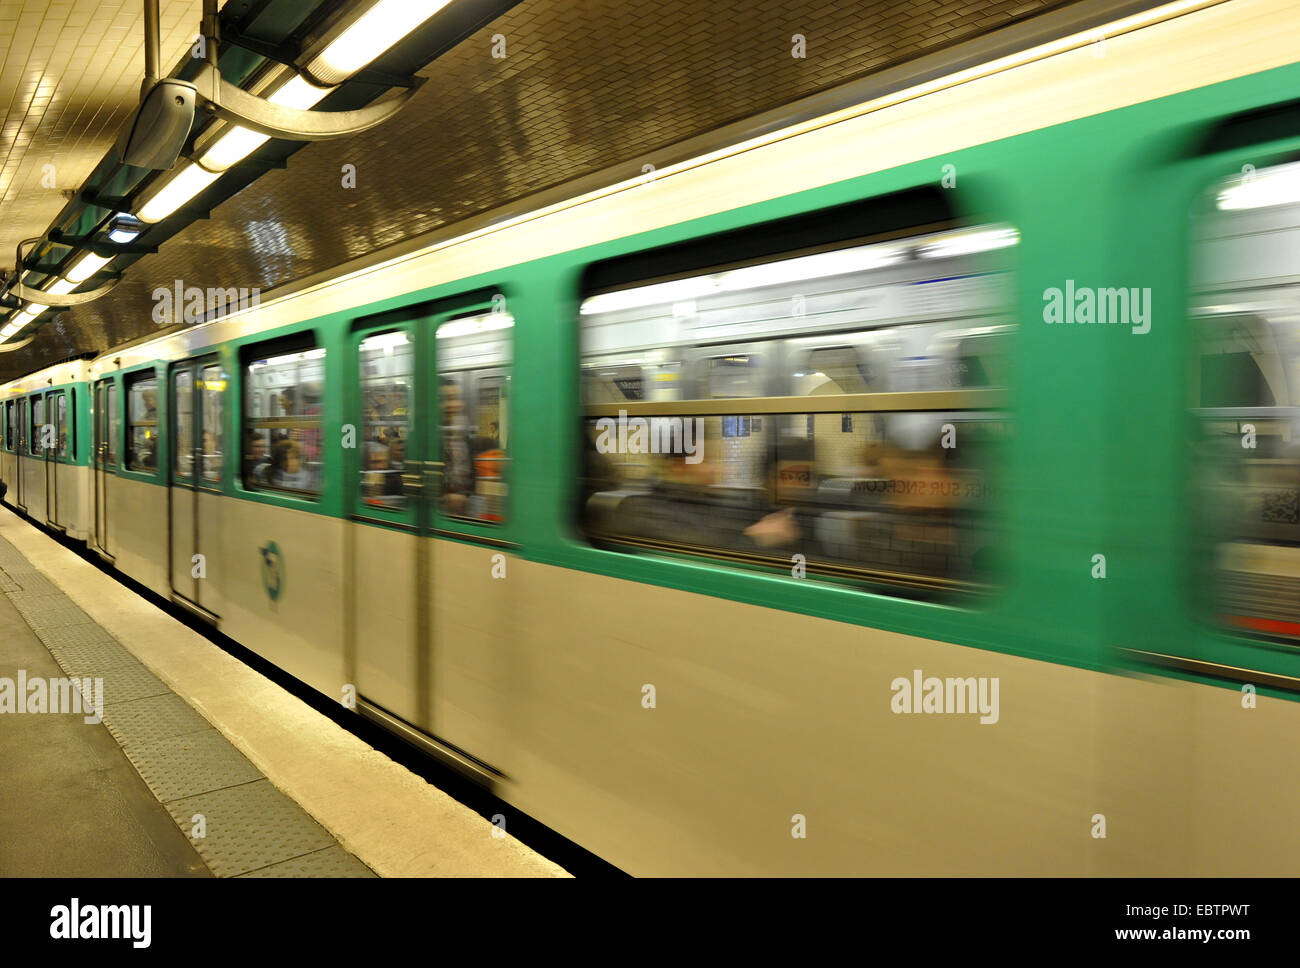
235,105
11,347
41,298
65,301
90,243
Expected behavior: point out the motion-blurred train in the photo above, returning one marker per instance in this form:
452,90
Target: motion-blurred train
910,489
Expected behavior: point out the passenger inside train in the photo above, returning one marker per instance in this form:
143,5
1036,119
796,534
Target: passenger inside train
255,456
287,470
894,495
457,452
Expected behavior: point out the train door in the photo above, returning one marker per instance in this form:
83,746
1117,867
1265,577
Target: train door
20,457
36,481
387,565
9,467
466,358
194,493
105,459
50,478
407,496
57,454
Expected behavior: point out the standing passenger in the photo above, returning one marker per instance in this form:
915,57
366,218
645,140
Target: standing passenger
457,454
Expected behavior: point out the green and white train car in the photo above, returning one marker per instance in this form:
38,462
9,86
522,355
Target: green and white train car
948,578
44,462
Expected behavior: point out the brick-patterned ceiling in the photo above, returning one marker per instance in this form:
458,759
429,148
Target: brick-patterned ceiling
70,77
584,85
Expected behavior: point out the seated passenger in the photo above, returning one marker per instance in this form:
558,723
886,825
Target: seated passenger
491,442
790,483
457,452
286,467
255,459
377,480
211,457
396,467
144,454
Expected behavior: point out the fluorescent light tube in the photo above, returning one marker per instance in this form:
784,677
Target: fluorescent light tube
378,29
239,142
85,267
187,183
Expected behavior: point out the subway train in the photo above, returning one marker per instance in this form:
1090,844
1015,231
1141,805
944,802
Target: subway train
911,489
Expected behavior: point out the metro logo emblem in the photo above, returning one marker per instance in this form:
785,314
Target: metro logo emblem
272,570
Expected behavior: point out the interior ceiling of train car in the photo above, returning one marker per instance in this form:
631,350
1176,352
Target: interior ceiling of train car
545,94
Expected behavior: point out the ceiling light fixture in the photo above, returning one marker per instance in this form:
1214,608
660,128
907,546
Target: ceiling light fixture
85,267
175,192
124,228
378,29
239,142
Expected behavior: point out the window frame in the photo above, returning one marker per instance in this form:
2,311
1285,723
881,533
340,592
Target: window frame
129,381
478,303
698,257
110,416
54,397
304,341
32,429
20,445
201,364
174,372
405,518
1218,641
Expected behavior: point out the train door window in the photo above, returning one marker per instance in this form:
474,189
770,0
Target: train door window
64,431
114,426
142,431
857,345
387,371
20,423
212,387
38,435
183,423
474,355
1244,392
282,419
9,425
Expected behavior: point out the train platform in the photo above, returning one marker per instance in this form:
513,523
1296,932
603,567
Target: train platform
175,759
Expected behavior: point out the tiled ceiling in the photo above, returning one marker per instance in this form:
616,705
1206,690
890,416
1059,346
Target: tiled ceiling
584,85
70,75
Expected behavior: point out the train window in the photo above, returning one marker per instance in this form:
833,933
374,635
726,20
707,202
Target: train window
387,366
212,386
38,439
11,434
282,417
1245,393
183,424
60,402
105,401
841,405
474,359
114,426
142,440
